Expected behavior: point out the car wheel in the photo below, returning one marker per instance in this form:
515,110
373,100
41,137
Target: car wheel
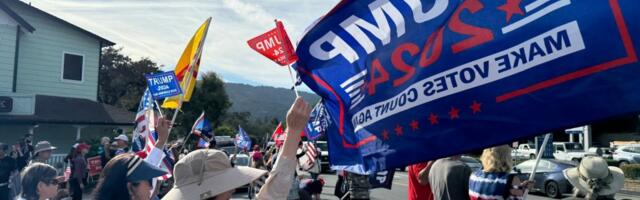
623,163
551,189
532,156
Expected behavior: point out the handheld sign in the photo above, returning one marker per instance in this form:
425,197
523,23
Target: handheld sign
95,165
162,85
416,80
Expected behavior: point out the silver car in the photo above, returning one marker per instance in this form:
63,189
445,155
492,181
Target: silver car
629,154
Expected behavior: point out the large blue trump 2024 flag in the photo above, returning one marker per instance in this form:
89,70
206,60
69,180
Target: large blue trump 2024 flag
408,80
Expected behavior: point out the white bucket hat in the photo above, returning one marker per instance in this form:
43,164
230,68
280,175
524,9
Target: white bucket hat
594,176
206,173
122,137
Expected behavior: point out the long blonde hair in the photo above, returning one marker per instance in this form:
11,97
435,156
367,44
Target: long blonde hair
497,159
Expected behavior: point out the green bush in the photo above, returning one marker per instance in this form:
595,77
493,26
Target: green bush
631,171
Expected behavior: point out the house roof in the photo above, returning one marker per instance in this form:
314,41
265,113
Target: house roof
17,17
66,110
24,23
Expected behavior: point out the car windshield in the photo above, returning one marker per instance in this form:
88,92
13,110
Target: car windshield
632,149
574,146
241,161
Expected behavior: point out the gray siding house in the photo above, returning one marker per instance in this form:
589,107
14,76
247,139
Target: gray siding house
49,79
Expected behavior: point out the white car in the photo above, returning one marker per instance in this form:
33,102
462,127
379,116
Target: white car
524,151
605,152
629,154
240,159
570,151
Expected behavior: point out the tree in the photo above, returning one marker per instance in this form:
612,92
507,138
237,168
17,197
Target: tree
225,131
236,119
208,96
122,81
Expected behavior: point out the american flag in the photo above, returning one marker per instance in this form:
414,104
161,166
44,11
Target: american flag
167,162
145,129
312,152
142,121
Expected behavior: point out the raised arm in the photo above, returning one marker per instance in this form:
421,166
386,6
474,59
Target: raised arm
279,182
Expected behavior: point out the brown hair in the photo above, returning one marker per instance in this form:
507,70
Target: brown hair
34,174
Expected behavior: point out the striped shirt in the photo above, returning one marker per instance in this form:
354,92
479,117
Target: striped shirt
489,186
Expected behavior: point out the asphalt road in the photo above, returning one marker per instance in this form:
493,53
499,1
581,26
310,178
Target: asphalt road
399,190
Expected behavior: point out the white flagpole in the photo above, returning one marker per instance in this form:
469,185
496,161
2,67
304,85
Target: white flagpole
535,167
293,80
188,80
159,109
286,57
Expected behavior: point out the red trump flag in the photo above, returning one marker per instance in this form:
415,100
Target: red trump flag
275,45
278,135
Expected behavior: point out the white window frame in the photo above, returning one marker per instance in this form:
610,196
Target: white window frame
62,68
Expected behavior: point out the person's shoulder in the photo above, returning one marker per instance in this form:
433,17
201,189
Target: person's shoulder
438,162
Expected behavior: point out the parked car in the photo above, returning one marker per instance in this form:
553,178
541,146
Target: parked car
570,151
605,152
526,151
241,160
629,154
473,163
548,178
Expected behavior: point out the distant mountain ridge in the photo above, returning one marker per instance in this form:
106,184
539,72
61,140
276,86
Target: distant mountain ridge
263,101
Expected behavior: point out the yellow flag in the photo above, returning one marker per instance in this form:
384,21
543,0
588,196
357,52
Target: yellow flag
188,66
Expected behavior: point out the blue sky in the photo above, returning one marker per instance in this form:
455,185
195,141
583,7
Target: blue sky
160,29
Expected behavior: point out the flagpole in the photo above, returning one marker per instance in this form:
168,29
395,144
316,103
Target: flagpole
286,57
535,167
159,109
293,80
184,143
188,80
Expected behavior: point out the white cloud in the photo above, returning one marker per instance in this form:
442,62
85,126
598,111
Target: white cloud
160,29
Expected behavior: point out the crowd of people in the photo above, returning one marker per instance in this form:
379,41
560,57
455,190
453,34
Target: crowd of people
209,173
450,179
200,174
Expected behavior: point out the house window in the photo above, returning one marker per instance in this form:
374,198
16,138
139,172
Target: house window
72,67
